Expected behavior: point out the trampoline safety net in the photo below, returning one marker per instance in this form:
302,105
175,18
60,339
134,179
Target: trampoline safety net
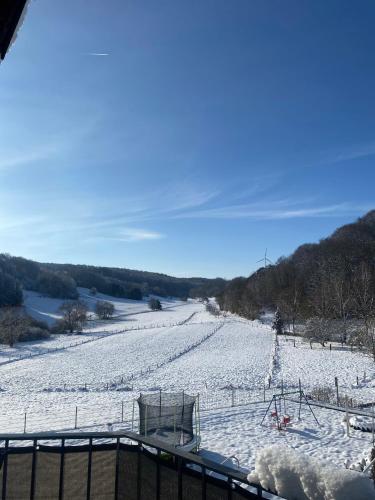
167,416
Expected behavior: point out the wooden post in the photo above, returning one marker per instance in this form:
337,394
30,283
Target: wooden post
373,422
146,420
337,391
76,418
133,416
24,423
330,347
122,411
357,381
232,396
347,422
264,392
198,412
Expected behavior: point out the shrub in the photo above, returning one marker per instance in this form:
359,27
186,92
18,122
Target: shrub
13,324
74,315
104,310
154,304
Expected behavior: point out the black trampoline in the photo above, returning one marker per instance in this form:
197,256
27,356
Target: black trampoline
168,417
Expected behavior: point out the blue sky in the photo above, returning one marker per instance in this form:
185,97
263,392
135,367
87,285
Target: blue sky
209,131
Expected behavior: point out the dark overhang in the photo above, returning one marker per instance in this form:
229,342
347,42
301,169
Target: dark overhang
10,14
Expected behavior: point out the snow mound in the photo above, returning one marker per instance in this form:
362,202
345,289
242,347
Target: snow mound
296,476
361,423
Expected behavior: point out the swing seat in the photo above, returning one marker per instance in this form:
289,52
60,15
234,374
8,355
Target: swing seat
274,414
286,419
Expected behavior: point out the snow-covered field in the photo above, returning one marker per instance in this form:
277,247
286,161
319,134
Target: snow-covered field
97,374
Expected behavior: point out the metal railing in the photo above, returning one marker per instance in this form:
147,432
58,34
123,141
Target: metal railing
168,472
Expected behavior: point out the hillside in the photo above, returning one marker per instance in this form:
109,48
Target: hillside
62,280
334,278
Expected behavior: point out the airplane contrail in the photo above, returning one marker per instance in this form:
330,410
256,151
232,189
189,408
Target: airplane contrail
98,54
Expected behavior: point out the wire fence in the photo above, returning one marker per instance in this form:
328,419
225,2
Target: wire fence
69,415
123,413
94,337
125,382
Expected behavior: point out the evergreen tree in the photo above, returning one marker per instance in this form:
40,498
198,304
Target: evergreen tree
278,323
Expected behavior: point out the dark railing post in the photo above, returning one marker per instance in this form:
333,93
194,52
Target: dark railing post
139,471
89,466
33,470
158,475
179,470
5,470
230,487
117,467
61,479
204,483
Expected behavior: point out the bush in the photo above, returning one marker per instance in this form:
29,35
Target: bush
74,316
104,310
212,309
34,333
13,324
154,304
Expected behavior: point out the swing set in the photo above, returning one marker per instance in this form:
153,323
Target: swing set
279,410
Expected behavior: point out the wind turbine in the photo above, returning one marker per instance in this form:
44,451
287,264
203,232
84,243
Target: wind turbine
265,259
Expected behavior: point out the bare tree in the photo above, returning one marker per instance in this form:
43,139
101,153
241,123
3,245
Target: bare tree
104,310
13,324
318,330
74,315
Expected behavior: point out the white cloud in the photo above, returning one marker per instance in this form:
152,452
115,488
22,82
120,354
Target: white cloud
131,234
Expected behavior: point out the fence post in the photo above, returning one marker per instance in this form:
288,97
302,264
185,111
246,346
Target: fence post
122,411
24,423
233,396
347,422
337,391
76,418
264,392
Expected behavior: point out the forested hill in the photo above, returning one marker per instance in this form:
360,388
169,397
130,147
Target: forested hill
61,281
334,278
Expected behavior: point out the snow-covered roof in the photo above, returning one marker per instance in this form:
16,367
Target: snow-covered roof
12,13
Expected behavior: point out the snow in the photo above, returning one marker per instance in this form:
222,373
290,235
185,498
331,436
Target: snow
228,361
319,367
294,475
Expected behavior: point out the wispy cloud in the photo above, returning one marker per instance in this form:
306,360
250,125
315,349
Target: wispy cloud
273,211
97,54
132,234
16,159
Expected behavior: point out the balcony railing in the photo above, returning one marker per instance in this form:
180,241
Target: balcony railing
112,465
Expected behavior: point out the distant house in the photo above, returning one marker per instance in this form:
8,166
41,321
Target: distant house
11,12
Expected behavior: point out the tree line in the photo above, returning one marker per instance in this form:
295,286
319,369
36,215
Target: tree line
328,287
61,281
